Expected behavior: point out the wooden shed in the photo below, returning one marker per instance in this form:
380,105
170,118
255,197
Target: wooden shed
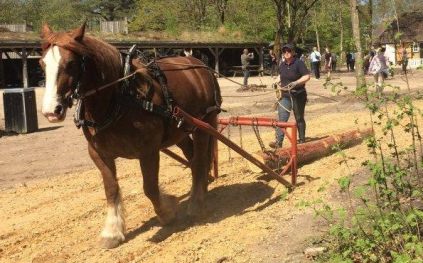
410,38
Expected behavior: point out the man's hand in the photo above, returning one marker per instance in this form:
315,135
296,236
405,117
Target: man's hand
292,85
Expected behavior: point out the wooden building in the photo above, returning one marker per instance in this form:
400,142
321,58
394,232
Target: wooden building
410,39
19,55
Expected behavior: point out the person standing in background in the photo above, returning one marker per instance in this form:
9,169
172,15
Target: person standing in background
404,60
352,61
379,69
334,59
348,60
315,57
245,62
328,63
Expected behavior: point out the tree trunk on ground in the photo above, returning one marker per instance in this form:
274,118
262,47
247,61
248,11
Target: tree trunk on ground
314,150
361,81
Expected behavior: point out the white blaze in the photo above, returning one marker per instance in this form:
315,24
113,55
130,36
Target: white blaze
51,61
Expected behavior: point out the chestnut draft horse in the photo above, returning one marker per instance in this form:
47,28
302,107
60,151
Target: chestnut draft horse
77,64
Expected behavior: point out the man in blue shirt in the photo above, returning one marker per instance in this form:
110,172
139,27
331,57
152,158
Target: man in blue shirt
294,74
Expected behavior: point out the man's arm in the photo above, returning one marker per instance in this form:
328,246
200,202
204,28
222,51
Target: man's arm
303,79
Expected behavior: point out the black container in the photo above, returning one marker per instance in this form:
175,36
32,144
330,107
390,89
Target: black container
20,110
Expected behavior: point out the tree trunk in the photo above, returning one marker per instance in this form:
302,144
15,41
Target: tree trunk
360,80
371,21
317,31
280,11
341,41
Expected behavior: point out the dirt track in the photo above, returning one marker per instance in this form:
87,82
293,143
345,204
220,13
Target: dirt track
53,200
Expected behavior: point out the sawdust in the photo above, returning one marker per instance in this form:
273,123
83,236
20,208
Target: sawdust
53,204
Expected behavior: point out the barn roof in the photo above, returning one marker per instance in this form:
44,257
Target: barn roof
410,25
32,40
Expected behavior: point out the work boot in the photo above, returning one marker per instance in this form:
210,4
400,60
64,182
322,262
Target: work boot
275,145
300,141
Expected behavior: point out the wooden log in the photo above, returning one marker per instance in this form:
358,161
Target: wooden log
314,150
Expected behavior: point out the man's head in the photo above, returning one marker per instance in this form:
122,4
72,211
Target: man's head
245,51
288,51
314,48
327,50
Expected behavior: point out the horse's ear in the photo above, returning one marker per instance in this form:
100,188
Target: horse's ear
78,34
46,31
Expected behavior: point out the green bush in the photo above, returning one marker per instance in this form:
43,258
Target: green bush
387,224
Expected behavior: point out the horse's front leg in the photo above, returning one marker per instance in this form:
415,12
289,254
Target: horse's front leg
114,229
165,205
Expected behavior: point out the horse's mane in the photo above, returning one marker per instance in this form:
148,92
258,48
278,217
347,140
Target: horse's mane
106,57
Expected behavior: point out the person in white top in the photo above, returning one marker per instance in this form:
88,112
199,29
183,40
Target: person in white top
315,58
379,68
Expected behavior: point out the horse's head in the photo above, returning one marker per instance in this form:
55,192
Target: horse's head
63,68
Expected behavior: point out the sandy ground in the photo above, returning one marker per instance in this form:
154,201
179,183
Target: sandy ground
53,204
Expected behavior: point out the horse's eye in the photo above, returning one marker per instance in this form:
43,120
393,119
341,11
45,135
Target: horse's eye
70,64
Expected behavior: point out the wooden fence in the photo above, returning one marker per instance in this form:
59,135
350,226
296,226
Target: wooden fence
114,26
15,27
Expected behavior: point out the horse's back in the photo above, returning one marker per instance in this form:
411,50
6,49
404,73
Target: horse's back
192,84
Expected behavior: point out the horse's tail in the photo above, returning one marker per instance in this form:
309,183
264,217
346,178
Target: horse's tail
214,123
213,149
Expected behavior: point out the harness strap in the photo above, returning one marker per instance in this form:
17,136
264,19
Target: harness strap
79,120
158,74
145,105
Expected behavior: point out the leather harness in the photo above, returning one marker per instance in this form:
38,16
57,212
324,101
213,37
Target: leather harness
127,95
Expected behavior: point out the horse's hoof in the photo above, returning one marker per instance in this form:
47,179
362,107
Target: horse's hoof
168,209
109,243
196,210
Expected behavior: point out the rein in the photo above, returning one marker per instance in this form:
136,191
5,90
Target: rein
94,91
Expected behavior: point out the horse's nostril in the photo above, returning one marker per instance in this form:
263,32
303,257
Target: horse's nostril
58,110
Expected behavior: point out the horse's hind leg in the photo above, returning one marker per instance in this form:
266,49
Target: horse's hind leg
114,228
165,205
200,166
187,148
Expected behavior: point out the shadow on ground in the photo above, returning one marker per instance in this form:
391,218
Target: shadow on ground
11,133
222,202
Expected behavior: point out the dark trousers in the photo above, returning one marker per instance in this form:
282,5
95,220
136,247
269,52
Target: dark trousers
404,66
298,106
333,65
316,69
246,75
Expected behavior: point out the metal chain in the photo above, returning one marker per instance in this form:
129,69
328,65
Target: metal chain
229,148
240,136
257,133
